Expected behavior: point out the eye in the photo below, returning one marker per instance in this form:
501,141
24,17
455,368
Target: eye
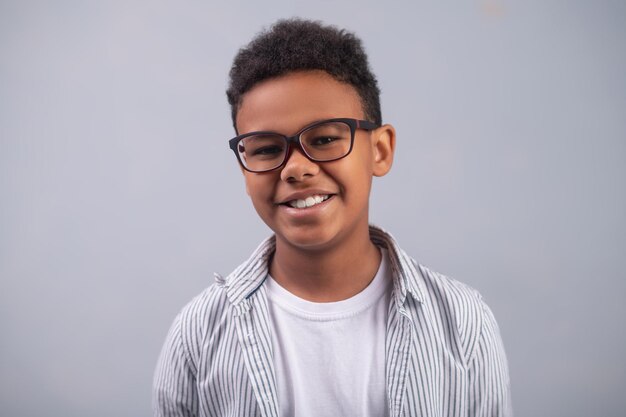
267,150
324,140
264,146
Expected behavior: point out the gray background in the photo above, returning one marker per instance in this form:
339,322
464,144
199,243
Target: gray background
119,197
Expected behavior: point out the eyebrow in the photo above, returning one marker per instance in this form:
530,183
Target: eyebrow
282,134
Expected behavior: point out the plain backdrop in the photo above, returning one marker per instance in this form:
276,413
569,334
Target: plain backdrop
119,197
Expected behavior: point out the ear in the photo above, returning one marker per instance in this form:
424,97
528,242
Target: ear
383,147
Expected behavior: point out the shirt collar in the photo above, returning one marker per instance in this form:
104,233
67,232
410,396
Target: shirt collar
407,278
248,277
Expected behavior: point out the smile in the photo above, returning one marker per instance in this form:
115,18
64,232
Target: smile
308,202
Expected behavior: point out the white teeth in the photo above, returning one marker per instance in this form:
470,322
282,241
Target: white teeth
309,201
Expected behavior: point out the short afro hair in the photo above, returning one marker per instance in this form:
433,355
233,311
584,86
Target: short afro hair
299,45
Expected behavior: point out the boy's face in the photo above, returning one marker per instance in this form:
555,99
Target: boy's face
285,105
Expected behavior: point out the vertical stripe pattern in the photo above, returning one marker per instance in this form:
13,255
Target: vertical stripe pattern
444,354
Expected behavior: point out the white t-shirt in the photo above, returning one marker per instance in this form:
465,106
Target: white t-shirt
330,357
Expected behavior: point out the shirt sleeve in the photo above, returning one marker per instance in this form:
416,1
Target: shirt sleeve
174,389
489,384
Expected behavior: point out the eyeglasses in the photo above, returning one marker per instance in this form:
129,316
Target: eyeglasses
324,141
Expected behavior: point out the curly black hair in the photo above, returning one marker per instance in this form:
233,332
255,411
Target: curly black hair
299,45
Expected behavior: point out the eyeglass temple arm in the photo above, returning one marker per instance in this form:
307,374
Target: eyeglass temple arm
364,124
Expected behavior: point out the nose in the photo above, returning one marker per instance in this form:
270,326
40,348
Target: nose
298,167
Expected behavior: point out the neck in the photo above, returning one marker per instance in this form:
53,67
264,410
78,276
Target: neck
326,275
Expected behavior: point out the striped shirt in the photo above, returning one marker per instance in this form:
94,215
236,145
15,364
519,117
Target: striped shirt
444,354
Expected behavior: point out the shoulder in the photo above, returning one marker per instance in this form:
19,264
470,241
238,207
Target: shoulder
453,294
201,317
458,308
204,308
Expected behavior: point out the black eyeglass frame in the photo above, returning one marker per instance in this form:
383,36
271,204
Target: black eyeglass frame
354,124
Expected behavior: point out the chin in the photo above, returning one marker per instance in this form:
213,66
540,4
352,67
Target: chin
307,239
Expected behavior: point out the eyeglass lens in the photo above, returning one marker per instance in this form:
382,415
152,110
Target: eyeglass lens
323,142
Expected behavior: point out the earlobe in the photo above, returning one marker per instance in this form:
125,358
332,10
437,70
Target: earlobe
384,145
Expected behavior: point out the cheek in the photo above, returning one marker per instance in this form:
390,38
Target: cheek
260,188
251,187
253,182
362,180
354,180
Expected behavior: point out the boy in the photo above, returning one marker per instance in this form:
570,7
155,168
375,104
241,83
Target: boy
329,317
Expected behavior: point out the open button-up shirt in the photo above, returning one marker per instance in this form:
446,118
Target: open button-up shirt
444,355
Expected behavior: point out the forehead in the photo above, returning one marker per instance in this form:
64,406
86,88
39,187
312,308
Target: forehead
287,103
